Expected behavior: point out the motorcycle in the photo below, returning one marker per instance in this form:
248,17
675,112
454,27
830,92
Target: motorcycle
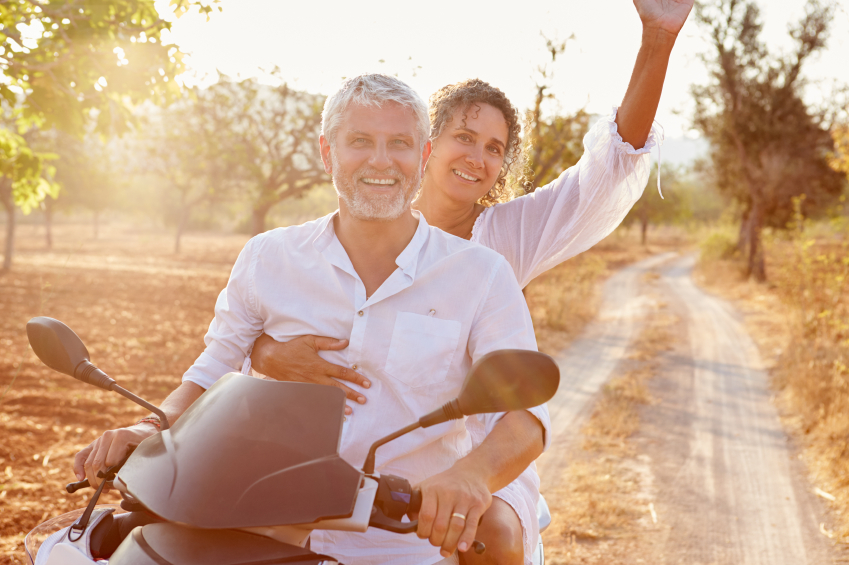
186,503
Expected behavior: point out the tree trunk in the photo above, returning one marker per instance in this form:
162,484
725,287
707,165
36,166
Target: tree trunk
745,230
258,218
48,222
756,264
644,228
9,205
181,227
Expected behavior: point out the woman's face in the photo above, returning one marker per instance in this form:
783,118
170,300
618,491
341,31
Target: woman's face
468,154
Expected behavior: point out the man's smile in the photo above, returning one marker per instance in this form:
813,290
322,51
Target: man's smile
369,180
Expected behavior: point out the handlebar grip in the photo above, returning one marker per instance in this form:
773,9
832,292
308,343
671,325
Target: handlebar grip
415,500
74,487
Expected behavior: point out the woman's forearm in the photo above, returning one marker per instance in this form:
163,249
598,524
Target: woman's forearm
636,114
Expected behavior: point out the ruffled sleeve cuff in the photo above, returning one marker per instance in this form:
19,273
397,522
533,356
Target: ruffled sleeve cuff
655,138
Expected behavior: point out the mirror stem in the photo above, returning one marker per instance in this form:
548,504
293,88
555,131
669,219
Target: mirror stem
142,402
368,466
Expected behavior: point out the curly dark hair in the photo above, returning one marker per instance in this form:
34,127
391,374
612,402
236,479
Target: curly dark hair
448,99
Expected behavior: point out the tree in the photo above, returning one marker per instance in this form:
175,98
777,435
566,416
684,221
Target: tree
673,208
64,61
87,173
190,144
556,142
767,145
274,130
22,183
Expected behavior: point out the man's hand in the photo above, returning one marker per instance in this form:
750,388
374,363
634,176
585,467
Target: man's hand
298,361
455,491
109,449
665,15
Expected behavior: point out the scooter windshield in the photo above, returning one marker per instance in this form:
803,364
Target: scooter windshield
249,452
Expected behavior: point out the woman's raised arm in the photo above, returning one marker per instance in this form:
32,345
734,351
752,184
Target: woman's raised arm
589,200
662,21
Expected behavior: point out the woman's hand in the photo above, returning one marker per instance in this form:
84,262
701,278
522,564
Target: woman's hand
298,361
664,15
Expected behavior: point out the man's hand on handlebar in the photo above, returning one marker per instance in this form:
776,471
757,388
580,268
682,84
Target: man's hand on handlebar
109,449
452,505
298,361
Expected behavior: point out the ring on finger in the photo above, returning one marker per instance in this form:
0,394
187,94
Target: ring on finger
458,515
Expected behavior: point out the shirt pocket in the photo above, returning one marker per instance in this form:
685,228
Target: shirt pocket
421,349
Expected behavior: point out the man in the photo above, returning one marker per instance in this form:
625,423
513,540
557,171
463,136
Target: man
420,306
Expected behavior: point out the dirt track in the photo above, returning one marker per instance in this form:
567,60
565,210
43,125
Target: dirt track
726,485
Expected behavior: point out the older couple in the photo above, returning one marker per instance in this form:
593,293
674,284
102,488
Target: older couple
410,298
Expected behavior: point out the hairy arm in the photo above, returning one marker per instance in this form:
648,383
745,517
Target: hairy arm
113,445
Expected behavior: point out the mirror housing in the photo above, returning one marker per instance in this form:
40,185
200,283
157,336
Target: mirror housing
500,381
62,350
496,384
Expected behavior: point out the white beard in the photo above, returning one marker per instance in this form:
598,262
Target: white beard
365,206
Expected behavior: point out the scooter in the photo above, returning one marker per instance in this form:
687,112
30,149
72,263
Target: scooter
186,503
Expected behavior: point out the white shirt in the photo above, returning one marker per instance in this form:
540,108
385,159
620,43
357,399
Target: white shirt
449,303
540,230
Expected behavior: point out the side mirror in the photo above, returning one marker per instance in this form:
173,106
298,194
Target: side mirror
62,350
503,380
508,379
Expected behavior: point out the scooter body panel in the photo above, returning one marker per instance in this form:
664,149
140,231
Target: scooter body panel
157,544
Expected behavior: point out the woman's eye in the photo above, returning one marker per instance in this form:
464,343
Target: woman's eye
494,150
464,137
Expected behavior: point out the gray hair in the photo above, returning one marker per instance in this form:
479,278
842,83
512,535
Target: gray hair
373,90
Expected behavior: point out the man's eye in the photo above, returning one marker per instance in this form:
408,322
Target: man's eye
399,142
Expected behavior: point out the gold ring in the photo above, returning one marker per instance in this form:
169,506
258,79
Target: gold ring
458,515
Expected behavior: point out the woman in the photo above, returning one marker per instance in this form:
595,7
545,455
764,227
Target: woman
475,133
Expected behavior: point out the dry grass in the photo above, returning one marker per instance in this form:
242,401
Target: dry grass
606,495
800,320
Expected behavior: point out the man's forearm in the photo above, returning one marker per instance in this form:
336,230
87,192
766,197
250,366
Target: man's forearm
513,444
179,401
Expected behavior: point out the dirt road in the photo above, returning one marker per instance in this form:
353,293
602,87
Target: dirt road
727,487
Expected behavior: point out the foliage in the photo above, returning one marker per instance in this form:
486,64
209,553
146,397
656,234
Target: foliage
812,277
673,208
87,171
23,172
274,131
188,146
64,58
767,145
839,158
553,143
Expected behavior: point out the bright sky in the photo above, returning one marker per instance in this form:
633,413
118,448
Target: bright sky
430,44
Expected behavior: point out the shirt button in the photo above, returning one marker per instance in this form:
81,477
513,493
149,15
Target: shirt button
354,367
344,418
360,313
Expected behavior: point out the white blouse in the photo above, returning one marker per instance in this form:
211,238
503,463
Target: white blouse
581,207
542,229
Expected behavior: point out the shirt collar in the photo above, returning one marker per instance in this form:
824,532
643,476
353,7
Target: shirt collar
407,261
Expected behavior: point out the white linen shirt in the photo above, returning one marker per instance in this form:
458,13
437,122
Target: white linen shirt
449,303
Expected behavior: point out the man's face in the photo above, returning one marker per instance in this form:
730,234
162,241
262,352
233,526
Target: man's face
376,161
